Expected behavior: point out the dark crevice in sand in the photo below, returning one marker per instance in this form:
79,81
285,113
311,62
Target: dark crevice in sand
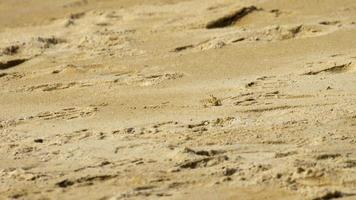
333,195
232,18
89,180
3,74
334,69
12,63
182,48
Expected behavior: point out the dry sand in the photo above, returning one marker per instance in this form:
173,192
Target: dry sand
173,99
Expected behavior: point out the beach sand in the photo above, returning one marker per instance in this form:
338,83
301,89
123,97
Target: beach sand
178,99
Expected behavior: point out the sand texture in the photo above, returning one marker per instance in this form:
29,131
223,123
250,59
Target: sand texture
178,99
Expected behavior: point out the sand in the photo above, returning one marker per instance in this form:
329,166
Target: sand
173,99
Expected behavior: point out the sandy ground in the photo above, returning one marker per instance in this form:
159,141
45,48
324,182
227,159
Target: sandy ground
173,99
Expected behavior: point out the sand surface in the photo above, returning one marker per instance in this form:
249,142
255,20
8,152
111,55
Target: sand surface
178,99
